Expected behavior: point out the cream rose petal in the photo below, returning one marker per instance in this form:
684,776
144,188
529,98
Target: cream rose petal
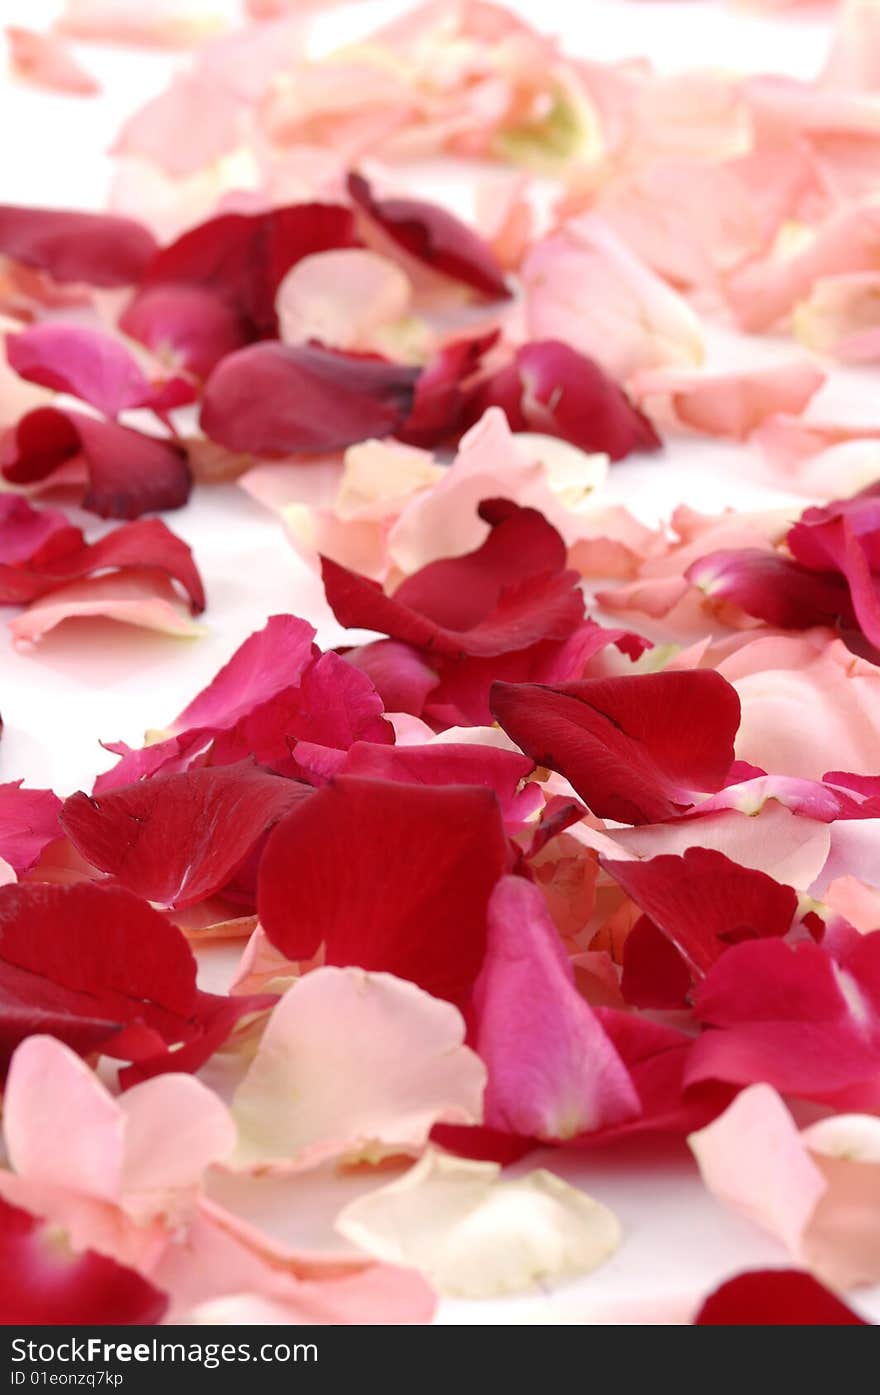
343,297
356,1065
475,1236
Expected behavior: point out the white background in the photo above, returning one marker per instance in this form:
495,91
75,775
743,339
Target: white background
92,679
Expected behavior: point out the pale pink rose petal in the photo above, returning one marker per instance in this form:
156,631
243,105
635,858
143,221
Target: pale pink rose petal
344,298
189,126
52,1095
694,222
841,316
375,1089
505,217
166,23
141,1151
853,65
474,1235
788,847
311,482
787,442
585,287
174,1129
213,1259
816,1190
145,598
808,705
492,462
753,1158
45,60
728,404
262,968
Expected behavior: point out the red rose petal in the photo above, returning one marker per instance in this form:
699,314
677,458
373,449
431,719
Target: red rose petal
129,473
146,543
507,595
551,388
775,1298
100,249
178,839
283,399
703,902
43,1284
635,749
434,236
387,876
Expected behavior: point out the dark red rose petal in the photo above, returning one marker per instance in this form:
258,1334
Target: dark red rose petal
654,974
507,595
103,971
443,392
551,388
178,839
434,236
387,876
129,473
282,399
241,258
44,1284
703,902
636,749
98,248
775,1298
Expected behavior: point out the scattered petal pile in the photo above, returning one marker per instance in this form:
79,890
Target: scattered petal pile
576,835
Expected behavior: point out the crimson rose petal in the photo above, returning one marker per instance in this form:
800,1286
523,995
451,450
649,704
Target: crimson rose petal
284,399
100,249
129,472
434,236
637,748
43,1283
775,1298
551,388
387,876
178,839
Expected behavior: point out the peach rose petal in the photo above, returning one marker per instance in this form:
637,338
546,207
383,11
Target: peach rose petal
370,1091
163,23
46,61
728,404
473,1235
144,598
